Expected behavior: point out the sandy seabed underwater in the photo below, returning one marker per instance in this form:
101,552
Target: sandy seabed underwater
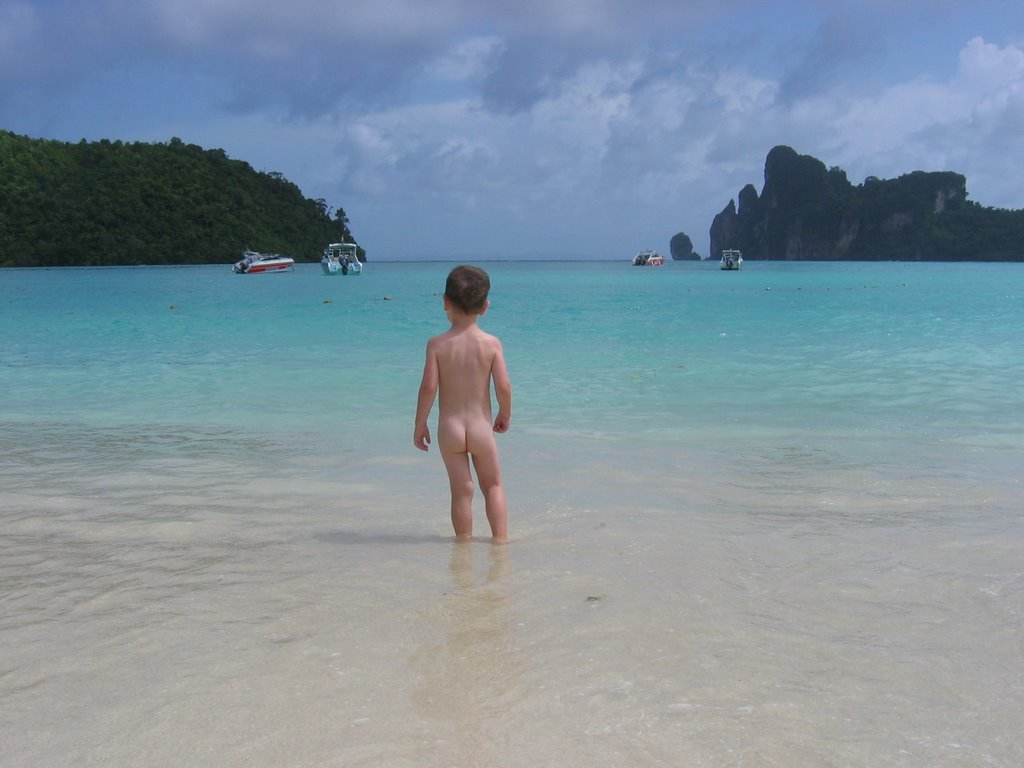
766,518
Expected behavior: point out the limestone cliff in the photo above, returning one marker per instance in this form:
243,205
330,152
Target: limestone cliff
681,248
808,211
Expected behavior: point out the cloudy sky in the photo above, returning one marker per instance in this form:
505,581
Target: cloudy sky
531,128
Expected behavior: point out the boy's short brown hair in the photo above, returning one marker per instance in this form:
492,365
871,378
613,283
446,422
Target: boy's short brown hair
467,288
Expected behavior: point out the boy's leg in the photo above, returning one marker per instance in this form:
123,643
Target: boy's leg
488,473
461,482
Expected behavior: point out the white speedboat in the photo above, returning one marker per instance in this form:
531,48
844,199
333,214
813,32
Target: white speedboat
341,259
648,259
731,259
255,263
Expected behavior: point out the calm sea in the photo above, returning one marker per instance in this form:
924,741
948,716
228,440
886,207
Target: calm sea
769,518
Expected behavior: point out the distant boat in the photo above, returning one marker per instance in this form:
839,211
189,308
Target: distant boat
255,263
341,259
648,259
731,259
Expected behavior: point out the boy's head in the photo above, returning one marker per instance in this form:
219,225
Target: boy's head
467,289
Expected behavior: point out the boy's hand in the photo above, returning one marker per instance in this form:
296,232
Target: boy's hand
421,437
501,423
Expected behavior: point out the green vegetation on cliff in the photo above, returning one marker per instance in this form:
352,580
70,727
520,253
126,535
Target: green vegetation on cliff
808,211
111,203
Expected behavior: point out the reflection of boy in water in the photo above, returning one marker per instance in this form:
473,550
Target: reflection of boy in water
461,364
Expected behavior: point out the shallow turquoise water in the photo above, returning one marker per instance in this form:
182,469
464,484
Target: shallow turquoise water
884,361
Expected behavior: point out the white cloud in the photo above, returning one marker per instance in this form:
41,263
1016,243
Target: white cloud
987,68
527,121
467,61
664,146
938,125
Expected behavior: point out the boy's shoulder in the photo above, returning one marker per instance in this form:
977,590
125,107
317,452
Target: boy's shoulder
488,338
473,335
441,338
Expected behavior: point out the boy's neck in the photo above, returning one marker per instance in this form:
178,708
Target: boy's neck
462,320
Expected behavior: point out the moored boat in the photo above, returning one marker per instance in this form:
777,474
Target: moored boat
341,259
648,259
255,263
731,259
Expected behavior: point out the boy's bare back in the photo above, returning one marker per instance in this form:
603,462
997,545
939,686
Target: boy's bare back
465,361
461,365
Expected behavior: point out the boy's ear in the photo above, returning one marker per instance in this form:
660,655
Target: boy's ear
484,310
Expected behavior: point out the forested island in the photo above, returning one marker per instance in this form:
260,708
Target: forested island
112,203
808,211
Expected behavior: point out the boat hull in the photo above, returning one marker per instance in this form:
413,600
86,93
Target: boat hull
341,259
281,266
255,263
648,259
731,260
334,268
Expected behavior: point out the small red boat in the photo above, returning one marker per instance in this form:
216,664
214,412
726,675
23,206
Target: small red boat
254,262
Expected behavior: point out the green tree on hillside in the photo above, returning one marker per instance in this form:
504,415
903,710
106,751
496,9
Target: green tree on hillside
110,203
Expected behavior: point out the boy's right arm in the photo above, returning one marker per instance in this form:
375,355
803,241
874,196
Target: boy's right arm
425,401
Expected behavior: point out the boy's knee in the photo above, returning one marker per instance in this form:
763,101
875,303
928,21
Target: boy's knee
463,489
489,482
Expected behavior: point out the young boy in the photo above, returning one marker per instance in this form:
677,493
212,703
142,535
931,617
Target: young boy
461,364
